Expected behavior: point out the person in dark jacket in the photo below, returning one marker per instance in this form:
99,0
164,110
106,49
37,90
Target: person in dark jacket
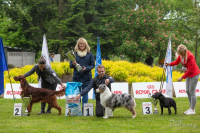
101,78
149,60
85,59
49,79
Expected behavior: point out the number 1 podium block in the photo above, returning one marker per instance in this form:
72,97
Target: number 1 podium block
88,109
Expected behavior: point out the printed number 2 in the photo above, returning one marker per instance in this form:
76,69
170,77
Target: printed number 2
87,112
17,110
148,110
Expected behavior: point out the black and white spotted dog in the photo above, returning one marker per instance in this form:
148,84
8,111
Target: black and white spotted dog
110,101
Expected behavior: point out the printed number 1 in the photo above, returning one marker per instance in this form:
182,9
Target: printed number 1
87,112
17,110
148,110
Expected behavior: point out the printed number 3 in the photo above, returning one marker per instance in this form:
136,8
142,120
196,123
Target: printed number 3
148,110
17,110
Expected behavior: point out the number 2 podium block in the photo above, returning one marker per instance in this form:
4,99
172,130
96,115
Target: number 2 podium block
18,109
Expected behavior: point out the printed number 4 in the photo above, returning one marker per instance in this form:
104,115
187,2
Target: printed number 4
17,110
148,110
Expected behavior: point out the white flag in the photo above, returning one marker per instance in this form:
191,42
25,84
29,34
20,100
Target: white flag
168,69
45,54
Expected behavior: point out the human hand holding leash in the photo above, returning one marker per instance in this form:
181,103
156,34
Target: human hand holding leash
180,79
78,96
107,81
167,64
64,87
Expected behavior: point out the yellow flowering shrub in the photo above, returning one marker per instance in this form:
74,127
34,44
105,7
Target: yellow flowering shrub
119,73
136,72
119,70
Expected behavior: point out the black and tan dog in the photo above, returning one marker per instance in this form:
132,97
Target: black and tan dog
165,102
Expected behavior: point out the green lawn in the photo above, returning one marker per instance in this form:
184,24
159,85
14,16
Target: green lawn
120,123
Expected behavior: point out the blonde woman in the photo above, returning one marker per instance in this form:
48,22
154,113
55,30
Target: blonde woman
85,59
191,75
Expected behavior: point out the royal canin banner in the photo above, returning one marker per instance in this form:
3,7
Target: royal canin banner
143,89
117,88
180,89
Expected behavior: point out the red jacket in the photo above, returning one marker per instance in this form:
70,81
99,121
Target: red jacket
191,65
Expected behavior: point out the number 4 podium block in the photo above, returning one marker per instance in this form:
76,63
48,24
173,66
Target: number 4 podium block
88,109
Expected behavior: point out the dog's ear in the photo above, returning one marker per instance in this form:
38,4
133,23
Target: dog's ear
22,83
104,86
159,94
21,76
16,78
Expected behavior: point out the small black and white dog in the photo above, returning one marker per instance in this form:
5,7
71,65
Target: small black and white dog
110,101
165,102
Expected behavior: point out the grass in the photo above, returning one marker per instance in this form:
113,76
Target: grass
120,123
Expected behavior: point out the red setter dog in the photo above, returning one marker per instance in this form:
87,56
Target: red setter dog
39,94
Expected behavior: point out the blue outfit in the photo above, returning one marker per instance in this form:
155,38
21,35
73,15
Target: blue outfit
51,59
94,83
83,76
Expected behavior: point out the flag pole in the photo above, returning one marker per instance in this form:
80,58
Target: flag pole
11,85
162,80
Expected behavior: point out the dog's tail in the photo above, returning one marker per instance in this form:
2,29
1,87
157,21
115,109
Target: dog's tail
59,93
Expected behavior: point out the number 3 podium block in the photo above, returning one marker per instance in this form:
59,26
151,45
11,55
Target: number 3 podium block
146,108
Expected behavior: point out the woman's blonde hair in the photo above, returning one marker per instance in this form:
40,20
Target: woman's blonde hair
82,40
182,49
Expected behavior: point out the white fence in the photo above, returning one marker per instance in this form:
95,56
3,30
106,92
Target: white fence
20,59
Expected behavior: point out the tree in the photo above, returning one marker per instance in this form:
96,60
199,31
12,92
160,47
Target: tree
28,22
141,29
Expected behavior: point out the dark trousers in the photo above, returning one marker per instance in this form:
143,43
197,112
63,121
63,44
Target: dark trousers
99,109
49,86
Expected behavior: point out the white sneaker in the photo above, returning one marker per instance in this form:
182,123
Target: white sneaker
191,112
187,111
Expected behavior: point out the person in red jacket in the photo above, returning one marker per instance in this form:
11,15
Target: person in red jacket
191,75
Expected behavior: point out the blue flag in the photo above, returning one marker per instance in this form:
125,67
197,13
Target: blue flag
3,66
98,61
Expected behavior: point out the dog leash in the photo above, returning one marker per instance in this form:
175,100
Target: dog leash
11,86
162,80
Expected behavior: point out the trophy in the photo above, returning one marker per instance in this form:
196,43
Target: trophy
154,102
71,56
26,102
